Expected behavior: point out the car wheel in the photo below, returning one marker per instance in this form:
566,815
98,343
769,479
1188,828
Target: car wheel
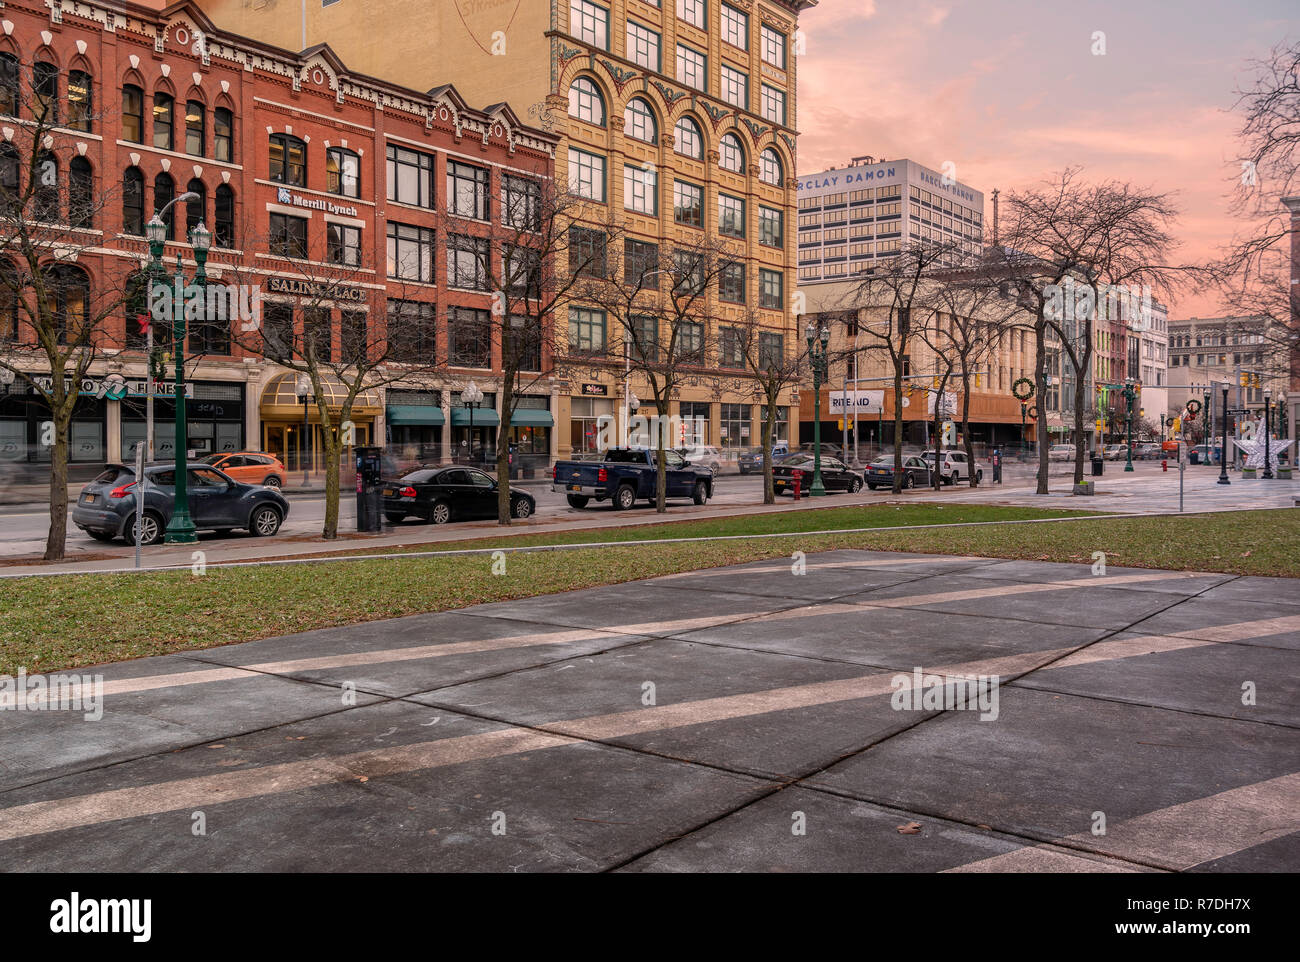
396,517
264,522
909,481
441,513
701,494
979,476
100,535
523,508
151,529
578,500
871,487
855,486
625,497
273,481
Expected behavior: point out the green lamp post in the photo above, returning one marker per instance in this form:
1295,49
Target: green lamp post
180,529
817,359
1129,394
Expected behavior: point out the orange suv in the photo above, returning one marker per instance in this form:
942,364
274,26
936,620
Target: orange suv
250,467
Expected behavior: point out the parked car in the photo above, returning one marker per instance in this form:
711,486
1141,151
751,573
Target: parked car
1114,452
704,455
751,462
628,475
1200,454
106,507
451,492
954,467
1147,450
828,448
835,476
250,467
880,472
1060,452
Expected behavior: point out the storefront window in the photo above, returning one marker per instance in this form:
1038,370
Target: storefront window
585,424
695,417
780,431
735,430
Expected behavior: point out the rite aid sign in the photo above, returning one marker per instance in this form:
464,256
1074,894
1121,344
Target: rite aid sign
863,402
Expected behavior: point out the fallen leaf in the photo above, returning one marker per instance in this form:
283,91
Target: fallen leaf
911,828
363,778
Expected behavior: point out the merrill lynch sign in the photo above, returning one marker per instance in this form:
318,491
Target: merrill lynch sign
864,402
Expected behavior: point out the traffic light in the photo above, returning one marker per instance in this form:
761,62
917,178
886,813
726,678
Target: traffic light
1243,379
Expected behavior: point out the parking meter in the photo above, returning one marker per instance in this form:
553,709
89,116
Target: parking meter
997,466
370,495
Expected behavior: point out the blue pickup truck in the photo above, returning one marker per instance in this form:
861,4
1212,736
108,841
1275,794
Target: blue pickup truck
627,475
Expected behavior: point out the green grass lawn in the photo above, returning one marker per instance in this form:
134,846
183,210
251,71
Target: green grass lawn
60,622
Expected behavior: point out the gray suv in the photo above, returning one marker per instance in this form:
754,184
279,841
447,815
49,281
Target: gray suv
105,508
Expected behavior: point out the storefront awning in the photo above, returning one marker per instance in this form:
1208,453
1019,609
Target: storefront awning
419,414
530,418
280,399
483,417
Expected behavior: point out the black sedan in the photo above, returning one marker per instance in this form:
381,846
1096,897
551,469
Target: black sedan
106,508
449,493
880,472
835,476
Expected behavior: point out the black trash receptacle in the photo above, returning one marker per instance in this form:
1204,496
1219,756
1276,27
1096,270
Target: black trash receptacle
1194,456
1098,465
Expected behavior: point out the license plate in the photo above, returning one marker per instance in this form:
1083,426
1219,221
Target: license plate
88,498
575,487
389,492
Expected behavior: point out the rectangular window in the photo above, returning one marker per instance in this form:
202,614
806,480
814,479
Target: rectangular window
690,270
640,190
771,350
164,116
132,114
277,331
410,253
467,191
773,106
643,338
643,47
342,172
773,47
80,101
524,342
731,282
587,252
639,259
467,262
469,337
523,270
195,128
694,12
410,177
587,175
770,285
692,68
223,135
690,341
735,87
771,226
735,27
731,347
288,157
523,203
412,330
352,336
343,244
731,216
735,426
288,235
586,330
317,334
688,204
589,23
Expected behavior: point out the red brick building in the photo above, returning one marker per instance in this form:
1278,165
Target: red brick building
298,163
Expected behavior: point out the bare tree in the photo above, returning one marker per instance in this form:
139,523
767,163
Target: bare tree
53,324
658,298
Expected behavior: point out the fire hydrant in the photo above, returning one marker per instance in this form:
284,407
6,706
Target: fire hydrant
1164,465
798,481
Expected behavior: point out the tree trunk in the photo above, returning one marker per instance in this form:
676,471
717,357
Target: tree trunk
898,425
56,541
661,463
1040,391
331,448
937,480
965,428
1079,387
769,426
503,449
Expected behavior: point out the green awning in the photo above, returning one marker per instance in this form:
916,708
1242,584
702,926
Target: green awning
532,418
415,414
483,417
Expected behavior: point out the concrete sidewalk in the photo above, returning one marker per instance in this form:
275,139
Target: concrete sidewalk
743,718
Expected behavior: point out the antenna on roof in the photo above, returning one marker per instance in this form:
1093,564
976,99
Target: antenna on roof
995,216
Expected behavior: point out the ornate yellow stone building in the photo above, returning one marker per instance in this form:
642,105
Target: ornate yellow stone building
680,115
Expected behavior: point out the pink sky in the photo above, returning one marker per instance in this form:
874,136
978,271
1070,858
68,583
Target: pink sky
1010,92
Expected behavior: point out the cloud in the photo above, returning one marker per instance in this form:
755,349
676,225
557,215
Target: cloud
937,16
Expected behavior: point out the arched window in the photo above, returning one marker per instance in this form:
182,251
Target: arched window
223,228
133,202
342,172
132,114
639,120
67,292
288,160
164,120
586,103
45,194
164,192
689,143
45,87
731,156
10,183
8,85
81,192
81,99
196,129
196,211
769,167
223,135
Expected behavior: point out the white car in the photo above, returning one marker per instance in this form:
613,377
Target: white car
1060,452
955,467
705,455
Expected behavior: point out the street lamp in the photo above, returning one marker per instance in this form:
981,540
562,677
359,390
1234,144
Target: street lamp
303,384
471,397
633,405
817,359
180,529
1268,462
1129,395
1223,450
